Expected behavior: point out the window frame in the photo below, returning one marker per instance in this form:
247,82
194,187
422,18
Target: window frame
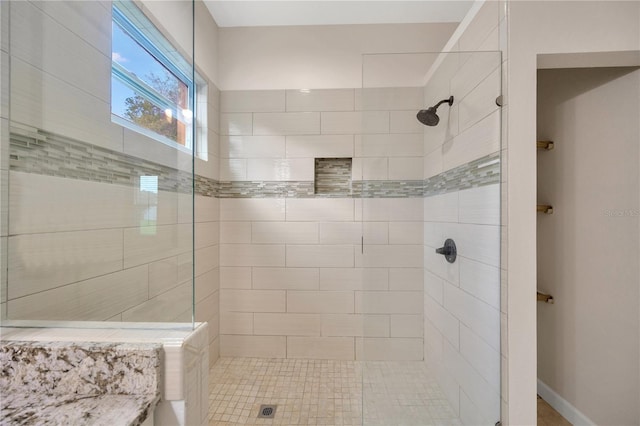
187,116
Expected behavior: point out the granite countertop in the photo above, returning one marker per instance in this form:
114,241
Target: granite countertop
76,410
71,383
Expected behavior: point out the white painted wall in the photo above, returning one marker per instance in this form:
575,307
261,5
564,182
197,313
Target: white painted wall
316,57
540,28
588,249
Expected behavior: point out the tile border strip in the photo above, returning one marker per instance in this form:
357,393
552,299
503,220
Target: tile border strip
48,154
45,153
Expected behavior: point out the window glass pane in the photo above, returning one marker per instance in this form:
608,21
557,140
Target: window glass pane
135,59
132,106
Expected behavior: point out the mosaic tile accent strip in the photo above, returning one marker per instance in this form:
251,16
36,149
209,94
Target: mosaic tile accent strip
265,189
333,176
388,189
45,153
53,155
480,172
326,392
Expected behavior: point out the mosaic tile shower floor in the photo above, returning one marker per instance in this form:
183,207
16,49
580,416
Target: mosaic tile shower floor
322,392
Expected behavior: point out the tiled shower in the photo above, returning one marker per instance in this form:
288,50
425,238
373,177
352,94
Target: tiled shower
304,230
292,264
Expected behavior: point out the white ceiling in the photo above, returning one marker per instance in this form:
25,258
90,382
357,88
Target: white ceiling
240,13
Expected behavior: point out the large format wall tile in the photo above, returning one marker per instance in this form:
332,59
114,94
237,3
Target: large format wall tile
236,124
327,256
96,299
169,306
149,243
296,169
398,349
321,347
355,122
406,326
252,255
41,262
285,278
252,300
408,279
480,205
286,324
163,276
406,168
391,145
392,302
390,256
91,21
476,142
298,123
252,146
320,209
36,98
252,100
480,280
253,346
480,102
329,146
405,122
481,318
321,302
480,393
42,203
389,98
252,209
235,277
320,100
354,279
346,325
69,58
235,232
236,323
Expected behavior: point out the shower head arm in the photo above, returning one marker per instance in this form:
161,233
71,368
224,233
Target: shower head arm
444,101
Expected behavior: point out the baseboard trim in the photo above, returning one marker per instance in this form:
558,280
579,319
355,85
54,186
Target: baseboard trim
562,406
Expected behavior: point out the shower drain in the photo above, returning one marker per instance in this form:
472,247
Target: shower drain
267,411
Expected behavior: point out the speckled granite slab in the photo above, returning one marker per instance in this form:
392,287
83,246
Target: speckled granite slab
76,410
78,383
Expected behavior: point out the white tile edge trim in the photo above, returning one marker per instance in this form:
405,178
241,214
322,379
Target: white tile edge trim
562,406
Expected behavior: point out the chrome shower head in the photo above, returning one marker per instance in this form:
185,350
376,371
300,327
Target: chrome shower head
429,117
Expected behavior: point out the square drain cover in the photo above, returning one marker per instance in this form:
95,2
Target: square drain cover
267,411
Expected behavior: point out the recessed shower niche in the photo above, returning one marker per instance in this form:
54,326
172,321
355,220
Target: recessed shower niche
332,176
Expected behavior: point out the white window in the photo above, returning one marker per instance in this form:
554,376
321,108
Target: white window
152,85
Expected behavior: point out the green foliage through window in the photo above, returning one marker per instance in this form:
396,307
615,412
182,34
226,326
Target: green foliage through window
148,89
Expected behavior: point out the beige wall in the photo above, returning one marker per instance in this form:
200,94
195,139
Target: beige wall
316,57
537,28
588,250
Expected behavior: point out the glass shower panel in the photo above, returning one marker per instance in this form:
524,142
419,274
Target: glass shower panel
98,144
430,155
